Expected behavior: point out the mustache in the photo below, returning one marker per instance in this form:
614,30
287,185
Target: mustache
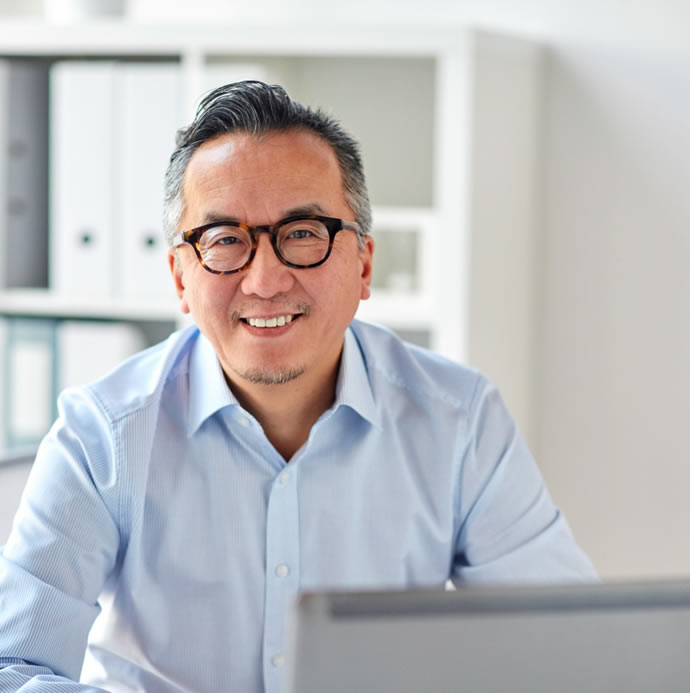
285,308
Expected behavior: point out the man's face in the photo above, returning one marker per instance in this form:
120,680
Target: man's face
261,180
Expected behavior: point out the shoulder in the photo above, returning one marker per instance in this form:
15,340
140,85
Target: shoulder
138,381
411,370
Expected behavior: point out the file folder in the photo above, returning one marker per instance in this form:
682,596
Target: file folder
3,382
29,381
83,255
87,350
40,357
113,128
149,115
23,173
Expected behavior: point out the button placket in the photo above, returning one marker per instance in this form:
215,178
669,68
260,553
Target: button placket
282,579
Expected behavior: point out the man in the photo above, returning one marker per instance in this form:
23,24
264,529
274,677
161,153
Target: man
191,494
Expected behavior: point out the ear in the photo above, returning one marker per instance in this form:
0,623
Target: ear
365,259
176,271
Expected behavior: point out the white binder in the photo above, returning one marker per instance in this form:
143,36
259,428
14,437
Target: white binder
29,380
83,179
87,350
39,357
150,112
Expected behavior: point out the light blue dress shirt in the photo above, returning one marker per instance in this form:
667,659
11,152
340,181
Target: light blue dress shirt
158,508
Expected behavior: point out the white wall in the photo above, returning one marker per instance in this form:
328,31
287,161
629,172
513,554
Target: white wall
615,349
612,341
635,22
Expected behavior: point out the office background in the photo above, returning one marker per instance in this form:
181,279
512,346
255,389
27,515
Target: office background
608,324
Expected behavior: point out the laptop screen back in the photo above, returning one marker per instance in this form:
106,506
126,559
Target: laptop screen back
632,637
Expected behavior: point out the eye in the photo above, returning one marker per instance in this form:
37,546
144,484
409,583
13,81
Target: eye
226,240
298,234
224,237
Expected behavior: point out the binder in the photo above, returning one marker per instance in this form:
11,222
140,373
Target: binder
87,350
113,128
83,243
3,382
29,390
149,115
39,357
23,173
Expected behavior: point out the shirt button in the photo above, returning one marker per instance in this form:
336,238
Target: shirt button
244,421
282,570
278,660
283,478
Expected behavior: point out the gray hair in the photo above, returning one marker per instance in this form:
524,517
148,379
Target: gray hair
256,108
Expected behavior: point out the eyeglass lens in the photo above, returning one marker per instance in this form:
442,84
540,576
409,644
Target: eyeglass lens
301,242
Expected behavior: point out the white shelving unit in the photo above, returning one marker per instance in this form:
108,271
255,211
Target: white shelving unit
413,96
44,303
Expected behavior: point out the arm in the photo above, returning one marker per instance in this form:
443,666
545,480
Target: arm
26,678
509,530
63,545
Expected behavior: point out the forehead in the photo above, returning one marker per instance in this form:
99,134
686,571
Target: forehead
272,170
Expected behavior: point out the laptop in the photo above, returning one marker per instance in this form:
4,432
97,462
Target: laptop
620,637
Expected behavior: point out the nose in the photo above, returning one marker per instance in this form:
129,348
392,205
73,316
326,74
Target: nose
266,276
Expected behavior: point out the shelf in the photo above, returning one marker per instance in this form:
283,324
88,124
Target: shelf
44,303
36,38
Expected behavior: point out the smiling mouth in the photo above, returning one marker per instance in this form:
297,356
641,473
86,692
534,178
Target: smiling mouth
300,310
278,321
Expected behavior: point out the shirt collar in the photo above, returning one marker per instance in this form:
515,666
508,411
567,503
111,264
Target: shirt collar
209,391
353,388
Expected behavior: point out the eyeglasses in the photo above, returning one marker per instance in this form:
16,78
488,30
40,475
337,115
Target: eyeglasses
225,247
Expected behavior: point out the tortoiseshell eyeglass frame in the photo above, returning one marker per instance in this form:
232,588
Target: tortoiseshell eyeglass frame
333,226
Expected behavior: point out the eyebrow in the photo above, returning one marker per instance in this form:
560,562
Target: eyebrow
310,208
306,209
213,217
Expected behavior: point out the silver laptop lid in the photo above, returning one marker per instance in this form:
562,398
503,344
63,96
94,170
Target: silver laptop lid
632,637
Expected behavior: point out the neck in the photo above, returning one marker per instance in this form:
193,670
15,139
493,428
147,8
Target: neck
287,411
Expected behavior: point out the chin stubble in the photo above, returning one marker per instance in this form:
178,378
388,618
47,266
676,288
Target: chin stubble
262,376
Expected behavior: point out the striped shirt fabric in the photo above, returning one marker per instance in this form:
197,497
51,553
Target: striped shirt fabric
161,539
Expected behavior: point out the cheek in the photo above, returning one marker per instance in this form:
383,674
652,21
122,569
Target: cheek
340,294
211,295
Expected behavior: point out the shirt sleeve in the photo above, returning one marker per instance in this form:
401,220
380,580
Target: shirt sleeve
63,545
509,530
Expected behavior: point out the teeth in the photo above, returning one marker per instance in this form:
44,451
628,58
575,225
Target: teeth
270,322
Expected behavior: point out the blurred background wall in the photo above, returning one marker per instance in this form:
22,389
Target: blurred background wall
612,337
